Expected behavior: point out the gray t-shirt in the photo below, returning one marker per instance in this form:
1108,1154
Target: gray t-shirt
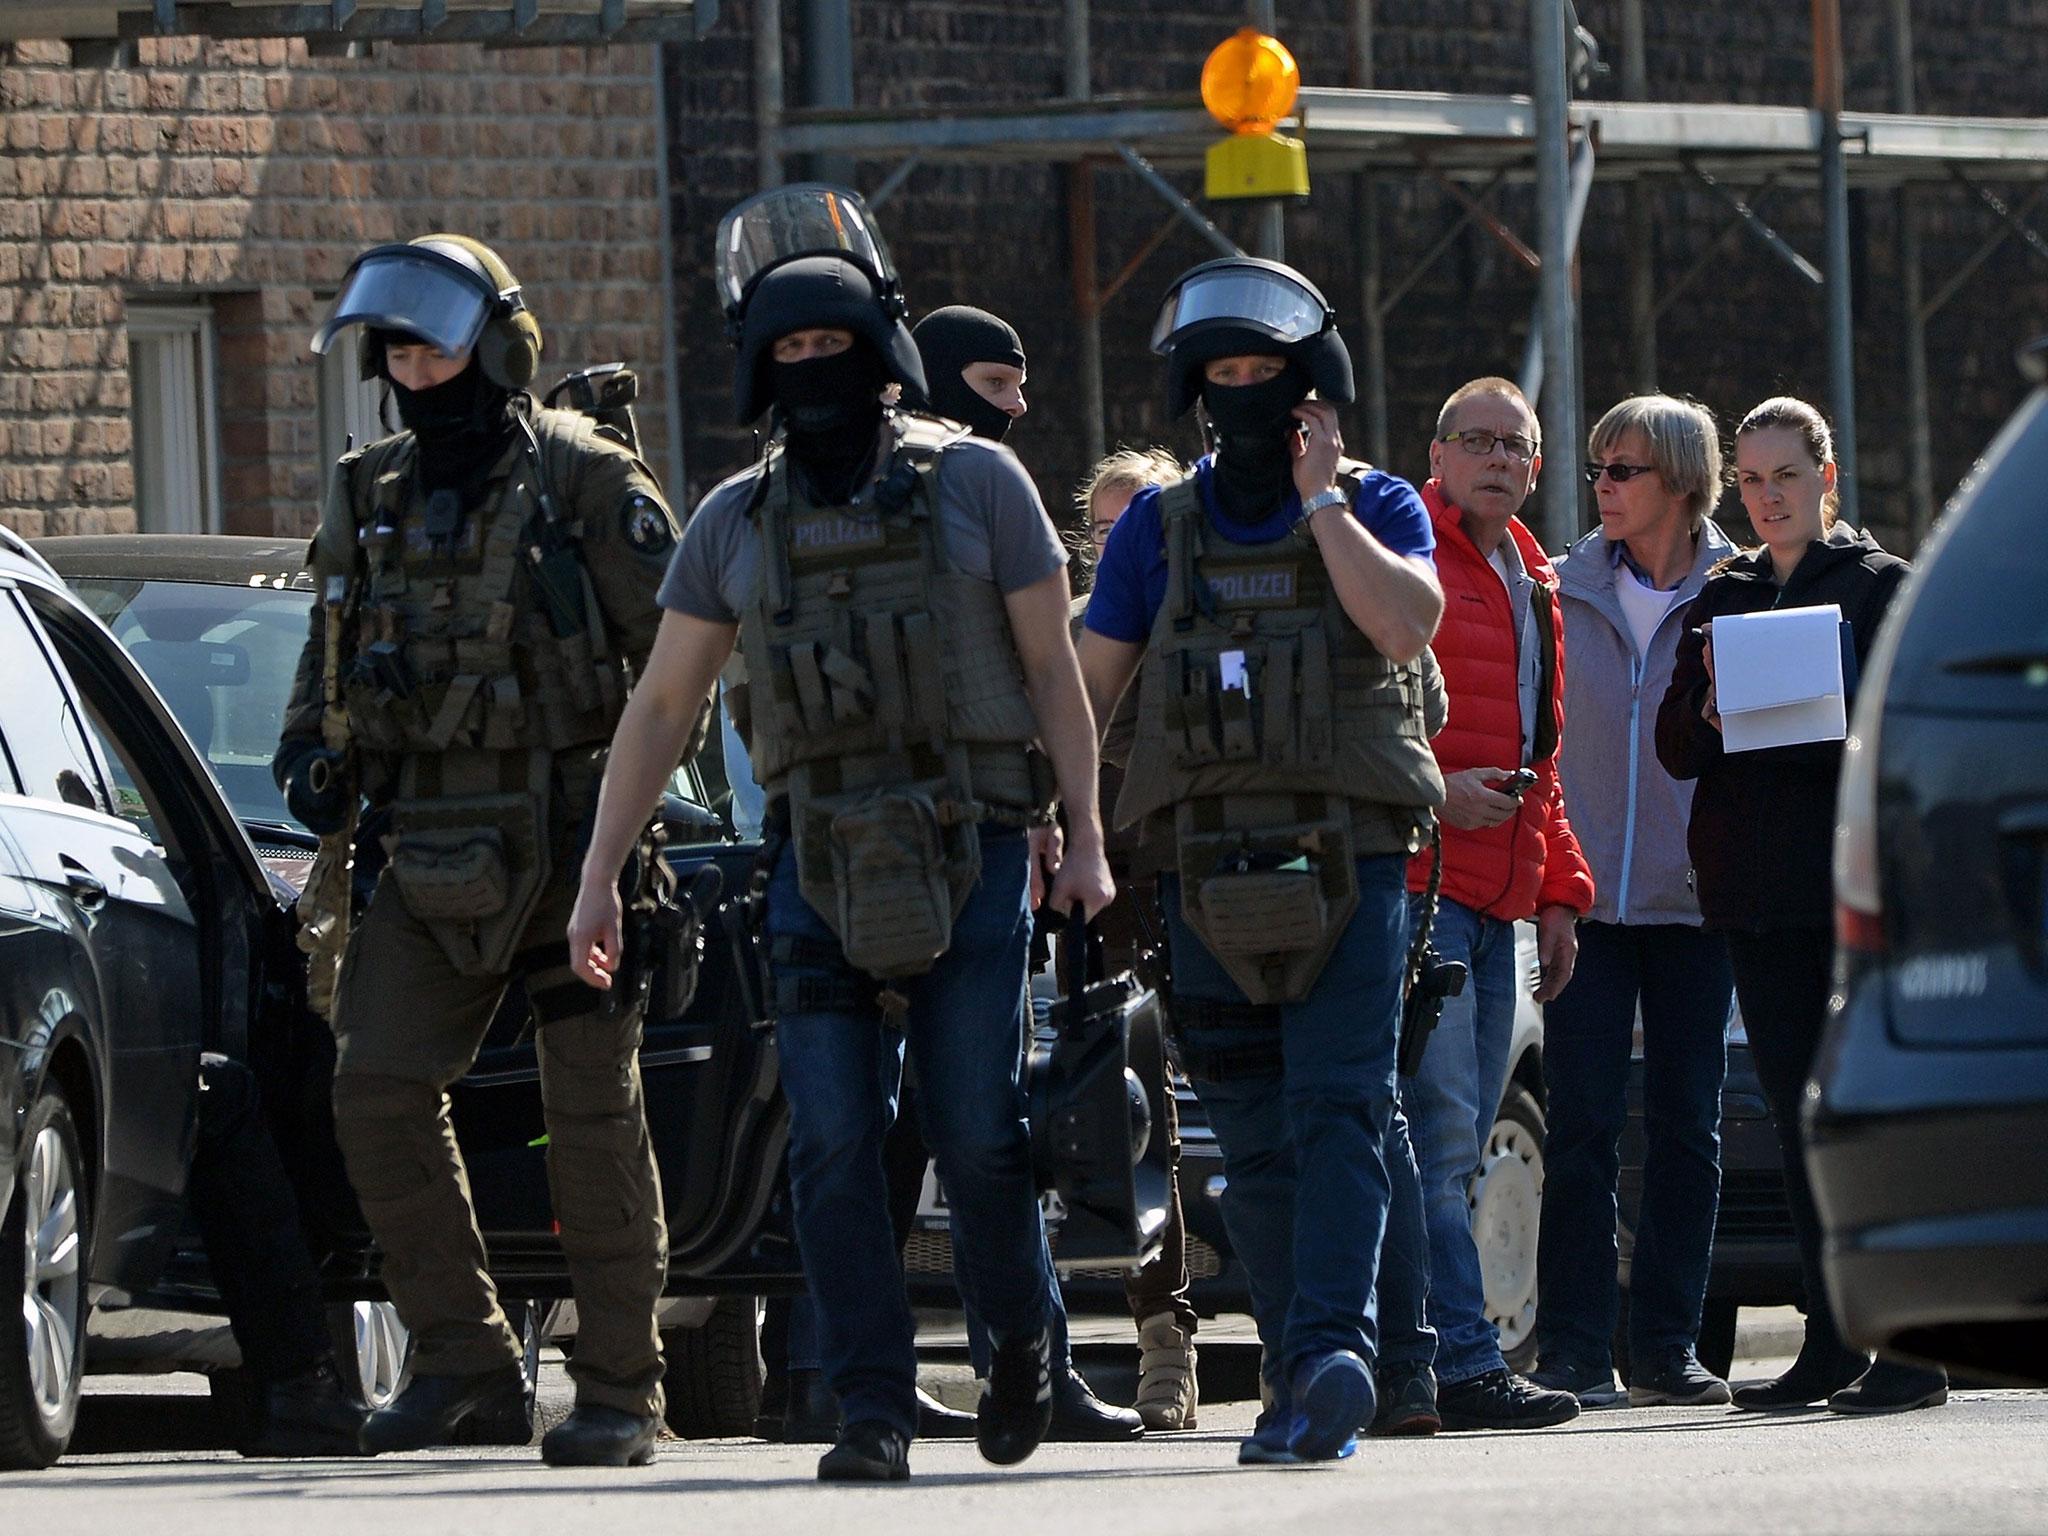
990,518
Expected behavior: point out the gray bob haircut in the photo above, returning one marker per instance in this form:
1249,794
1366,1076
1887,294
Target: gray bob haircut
1684,445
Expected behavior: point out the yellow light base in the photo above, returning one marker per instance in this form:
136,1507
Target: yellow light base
1257,165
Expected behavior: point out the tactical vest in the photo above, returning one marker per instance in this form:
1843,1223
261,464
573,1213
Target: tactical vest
887,702
1278,740
482,666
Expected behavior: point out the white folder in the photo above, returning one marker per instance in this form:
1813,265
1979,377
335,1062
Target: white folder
1778,677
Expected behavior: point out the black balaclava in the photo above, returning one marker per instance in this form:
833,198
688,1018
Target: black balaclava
461,425
1254,426
951,339
831,408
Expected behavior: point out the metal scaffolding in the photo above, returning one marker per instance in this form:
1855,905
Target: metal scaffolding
1473,145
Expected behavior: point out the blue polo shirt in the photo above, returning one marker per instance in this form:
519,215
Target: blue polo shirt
1130,581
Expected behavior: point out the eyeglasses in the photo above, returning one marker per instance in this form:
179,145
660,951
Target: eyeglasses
1620,474
1478,442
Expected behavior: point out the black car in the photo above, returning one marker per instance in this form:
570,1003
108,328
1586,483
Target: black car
1928,1112
154,867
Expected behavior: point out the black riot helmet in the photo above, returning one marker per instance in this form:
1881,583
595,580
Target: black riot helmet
453,293
1242,305
805,256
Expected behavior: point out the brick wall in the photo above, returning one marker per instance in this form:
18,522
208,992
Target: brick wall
996,236
248,175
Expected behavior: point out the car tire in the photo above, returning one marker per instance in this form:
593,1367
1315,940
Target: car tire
373,1348
44,1243
1507,1208
714,1374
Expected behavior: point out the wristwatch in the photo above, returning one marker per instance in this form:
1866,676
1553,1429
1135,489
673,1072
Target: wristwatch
1333,497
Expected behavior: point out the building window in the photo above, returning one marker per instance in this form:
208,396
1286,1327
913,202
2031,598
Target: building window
171,370
350,405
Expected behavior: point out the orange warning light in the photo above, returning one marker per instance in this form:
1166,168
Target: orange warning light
1249,82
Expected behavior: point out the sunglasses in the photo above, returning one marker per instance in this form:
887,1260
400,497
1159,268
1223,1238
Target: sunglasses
1620,474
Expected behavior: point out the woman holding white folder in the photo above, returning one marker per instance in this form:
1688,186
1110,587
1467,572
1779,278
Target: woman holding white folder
1761,835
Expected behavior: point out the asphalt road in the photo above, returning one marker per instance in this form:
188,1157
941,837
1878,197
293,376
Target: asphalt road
1975,1465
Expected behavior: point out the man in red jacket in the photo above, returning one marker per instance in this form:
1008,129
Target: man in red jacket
1508,854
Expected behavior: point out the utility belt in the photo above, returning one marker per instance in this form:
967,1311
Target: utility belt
1269,883
888,865
471,849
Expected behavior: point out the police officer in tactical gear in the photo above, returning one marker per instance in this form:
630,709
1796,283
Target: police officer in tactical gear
501,562
974,368
1276,606
974,372
899,597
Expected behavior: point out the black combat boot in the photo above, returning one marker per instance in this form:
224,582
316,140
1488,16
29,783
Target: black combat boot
427,1412
596,1436
1824,1367
307,1414
1016,1410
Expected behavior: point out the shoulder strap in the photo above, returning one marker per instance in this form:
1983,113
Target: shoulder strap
1181,515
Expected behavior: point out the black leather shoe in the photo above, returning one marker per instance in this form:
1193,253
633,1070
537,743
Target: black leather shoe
1502,1400
812,1414
1016,1410
1079,1415
427,1412
597,1436
867,1451
1407,1402
1890,1387
310,1414
935,1421
1821,1371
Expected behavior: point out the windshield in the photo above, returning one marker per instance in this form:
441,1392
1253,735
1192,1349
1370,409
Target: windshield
223,658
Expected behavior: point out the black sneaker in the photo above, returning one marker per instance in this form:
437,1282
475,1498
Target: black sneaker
1079,1415
1016,1410
1594,1386
1502,1400
867,1451
1675,1381
1407,1401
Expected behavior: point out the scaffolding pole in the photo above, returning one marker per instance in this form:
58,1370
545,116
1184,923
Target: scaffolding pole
1919,424
828,75
1642,243
1558,410
1081,239
1834,191
768,101
1372,317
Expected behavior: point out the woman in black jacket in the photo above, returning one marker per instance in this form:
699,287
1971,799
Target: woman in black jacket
1761,838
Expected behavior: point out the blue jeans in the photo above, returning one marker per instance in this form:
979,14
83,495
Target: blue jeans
1406,1338
1317,1126
965,1033
1682,980
1451,1104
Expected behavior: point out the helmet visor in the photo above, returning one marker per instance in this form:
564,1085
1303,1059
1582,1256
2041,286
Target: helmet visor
802,220
1254,298
408,288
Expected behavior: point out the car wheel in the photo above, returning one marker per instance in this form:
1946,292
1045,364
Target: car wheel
43,1247
1507,1210
374,1349
714,1376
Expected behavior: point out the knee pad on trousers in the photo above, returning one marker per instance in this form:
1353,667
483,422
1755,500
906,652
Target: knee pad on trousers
393,1133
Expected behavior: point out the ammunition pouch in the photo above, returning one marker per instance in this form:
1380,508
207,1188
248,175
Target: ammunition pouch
471,868
888,870
1270,901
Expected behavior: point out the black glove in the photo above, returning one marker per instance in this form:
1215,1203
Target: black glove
326,809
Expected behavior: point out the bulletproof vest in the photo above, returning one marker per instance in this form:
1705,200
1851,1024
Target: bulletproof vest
886,701
491,639
1279,743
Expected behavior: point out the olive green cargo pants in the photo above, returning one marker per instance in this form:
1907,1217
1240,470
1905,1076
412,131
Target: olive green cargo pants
407,1026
